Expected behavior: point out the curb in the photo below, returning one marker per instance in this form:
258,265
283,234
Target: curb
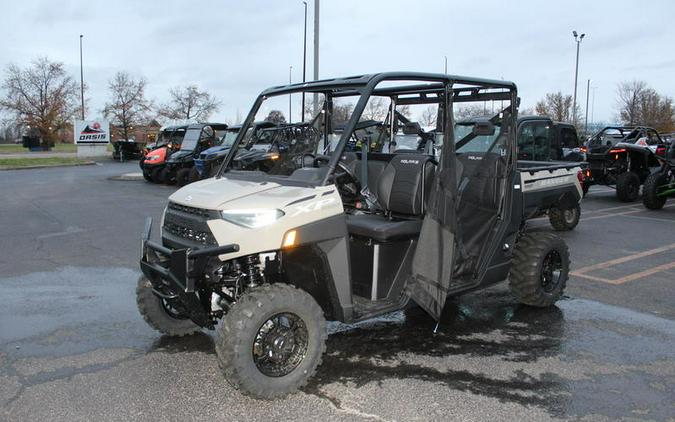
129,177
47,166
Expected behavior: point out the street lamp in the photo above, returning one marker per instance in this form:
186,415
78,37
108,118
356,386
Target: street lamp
290,119
577,38
304,61
446,64
81,77
588,88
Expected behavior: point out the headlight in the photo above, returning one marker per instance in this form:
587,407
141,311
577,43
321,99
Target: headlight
152,157
252,219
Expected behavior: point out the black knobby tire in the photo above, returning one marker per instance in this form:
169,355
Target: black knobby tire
156,175
564,219
649,190
194,175
167,176
183,177
147,176
159,314
531,279
239,335
628,186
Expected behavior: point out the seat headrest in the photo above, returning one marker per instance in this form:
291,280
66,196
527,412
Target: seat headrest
401,185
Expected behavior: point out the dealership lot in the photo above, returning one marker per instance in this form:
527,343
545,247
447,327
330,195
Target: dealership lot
73,347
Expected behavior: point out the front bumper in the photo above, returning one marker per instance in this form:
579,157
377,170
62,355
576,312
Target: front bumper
174,272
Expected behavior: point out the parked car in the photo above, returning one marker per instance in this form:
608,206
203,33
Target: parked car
265,254
127,149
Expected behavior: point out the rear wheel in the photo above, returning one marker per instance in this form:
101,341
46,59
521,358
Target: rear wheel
271,341
564,219
160,313
628,186
183,177
650,189
540,269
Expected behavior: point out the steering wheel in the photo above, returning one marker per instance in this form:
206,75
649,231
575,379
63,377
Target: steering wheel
348,184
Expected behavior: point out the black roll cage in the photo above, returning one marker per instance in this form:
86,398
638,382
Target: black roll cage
365,86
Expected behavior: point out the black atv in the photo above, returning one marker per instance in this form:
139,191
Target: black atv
660,185
198,137
623,157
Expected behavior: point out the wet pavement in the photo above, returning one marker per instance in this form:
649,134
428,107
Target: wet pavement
73,347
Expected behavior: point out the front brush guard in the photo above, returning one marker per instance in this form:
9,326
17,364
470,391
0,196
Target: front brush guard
176,270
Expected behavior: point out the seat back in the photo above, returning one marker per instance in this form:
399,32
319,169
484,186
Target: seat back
404,184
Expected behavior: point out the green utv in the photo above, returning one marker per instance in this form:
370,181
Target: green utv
266,255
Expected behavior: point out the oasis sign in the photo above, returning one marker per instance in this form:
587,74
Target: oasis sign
92,132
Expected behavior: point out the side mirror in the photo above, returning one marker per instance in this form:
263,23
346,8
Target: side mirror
483,129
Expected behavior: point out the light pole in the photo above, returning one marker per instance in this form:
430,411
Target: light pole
316,53
588,88
290,119
81,77
304,61
577,38
446,64
593,105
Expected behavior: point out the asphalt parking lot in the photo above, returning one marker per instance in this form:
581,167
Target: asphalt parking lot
73,347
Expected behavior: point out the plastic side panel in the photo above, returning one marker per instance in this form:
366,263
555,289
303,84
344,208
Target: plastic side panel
320,265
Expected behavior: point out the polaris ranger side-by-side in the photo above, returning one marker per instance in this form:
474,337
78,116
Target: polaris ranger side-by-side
267,254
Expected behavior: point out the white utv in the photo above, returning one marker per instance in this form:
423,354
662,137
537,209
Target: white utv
336,223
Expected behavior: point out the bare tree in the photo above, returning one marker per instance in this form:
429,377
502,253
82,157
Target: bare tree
128,106
471,111
376,109
41,97
629,95
640,105
189,103
276,116
429,116
558,107
342,113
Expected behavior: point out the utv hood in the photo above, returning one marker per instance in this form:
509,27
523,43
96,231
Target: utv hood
212,193
219,149
180,155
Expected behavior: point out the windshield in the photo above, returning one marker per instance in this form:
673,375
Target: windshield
191,138
230,136
466,141
288,138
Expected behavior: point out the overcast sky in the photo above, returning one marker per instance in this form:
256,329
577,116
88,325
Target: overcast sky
235,49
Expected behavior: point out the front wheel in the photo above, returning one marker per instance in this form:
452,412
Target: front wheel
161,314
183,177
564,219
650,190
194,175
540,268
628,186
271,341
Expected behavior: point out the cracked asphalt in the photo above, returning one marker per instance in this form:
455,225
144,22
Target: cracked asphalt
73,346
